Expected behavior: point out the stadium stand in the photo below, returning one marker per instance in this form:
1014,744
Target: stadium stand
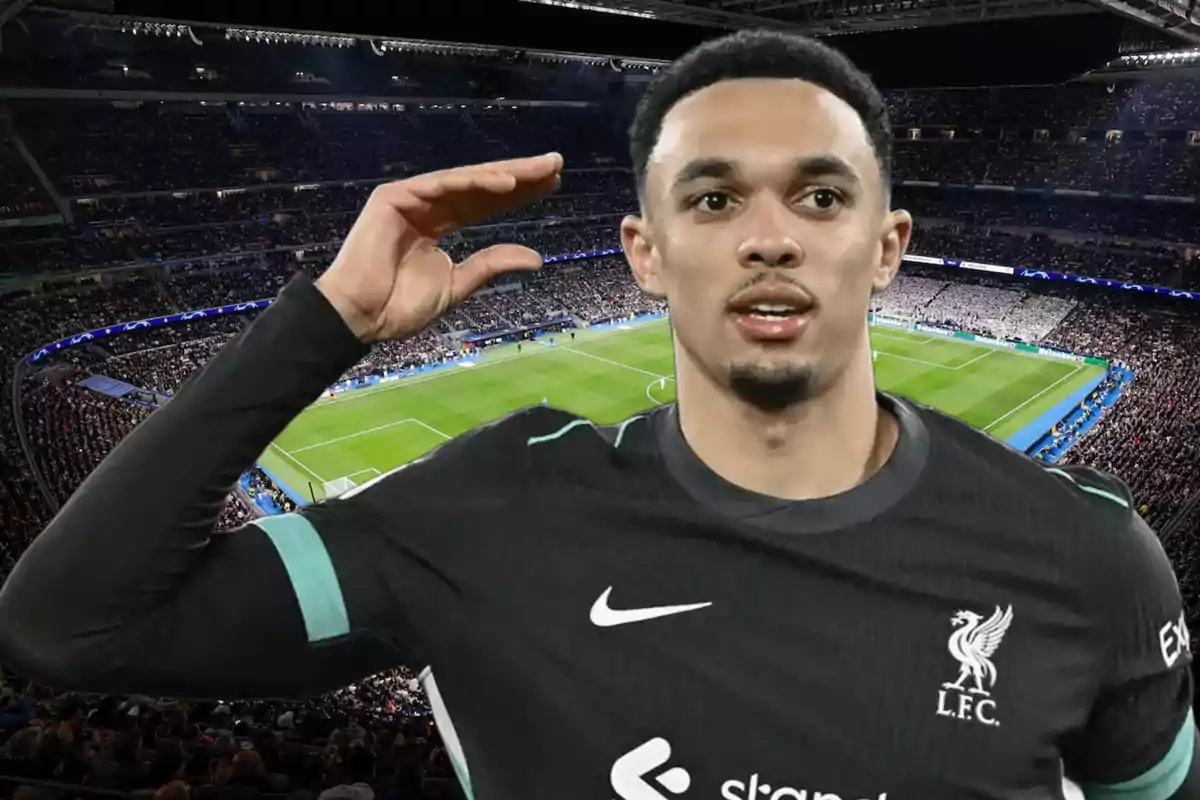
199,206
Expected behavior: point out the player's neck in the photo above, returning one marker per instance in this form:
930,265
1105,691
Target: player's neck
823,447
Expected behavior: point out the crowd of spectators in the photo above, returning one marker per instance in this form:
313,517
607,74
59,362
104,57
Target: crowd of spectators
1084,105
1139,168
1151,437
1067,431
261,484
258,224
164,368
71,430
971,307
1136,240
1090,218
373,736
1007,310
20,195
1033,318
224,230
1156,265
103,150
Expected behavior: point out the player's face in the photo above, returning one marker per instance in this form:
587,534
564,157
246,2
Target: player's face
766,228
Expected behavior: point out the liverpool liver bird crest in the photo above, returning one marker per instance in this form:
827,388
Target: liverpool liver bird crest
973,644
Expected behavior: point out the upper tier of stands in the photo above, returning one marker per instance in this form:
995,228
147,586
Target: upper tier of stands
88,149
162,182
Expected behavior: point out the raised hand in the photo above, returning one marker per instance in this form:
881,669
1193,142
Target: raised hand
390,280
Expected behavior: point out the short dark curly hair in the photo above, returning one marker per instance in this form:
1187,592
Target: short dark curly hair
759,54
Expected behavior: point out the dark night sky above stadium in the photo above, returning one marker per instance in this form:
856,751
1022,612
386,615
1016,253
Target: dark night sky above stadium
1029,51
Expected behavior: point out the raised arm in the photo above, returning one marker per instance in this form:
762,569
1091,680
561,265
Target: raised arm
129,589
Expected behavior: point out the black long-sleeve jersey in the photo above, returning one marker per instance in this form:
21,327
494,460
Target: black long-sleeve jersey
601,616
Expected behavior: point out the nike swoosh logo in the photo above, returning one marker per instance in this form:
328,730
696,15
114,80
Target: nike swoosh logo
603,616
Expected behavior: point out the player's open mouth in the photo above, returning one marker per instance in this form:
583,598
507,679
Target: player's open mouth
770,312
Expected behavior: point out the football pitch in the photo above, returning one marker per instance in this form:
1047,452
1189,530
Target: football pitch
608,375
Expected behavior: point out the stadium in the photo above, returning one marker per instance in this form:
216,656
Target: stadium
166,173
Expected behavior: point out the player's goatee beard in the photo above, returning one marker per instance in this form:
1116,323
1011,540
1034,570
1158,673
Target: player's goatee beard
771,389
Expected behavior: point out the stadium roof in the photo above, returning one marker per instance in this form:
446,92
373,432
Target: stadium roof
1180,19
900,42
831,17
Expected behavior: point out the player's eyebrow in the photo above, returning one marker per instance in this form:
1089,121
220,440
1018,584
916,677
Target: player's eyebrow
698,168
807,168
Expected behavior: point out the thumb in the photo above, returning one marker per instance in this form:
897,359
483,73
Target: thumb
481,267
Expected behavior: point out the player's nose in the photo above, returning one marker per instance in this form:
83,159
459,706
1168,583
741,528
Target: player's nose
769,241
770,251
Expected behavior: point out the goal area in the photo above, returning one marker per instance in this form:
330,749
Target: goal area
893,321
339,486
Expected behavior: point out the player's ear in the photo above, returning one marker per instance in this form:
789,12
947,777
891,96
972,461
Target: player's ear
897,229
642,255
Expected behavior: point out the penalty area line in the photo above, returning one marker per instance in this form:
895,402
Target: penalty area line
298,462
368,431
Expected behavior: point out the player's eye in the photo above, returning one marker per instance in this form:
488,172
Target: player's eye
713,202
823,200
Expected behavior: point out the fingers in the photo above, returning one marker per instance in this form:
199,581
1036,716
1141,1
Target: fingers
528,191
529,168
495,176
481,267
419,197
434,187
520,179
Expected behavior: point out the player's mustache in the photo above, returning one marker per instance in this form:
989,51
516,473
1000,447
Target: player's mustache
776,278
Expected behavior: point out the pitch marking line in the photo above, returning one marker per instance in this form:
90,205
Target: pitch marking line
913,360
650,386
979,357
614,363
1035,397
356,434
884,334
430,428
364,472
298,463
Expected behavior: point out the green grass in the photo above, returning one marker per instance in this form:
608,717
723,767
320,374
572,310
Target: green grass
609,375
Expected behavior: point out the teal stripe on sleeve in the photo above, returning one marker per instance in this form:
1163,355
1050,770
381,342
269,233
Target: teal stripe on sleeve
1107,495
311,572
550,437
1160,781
